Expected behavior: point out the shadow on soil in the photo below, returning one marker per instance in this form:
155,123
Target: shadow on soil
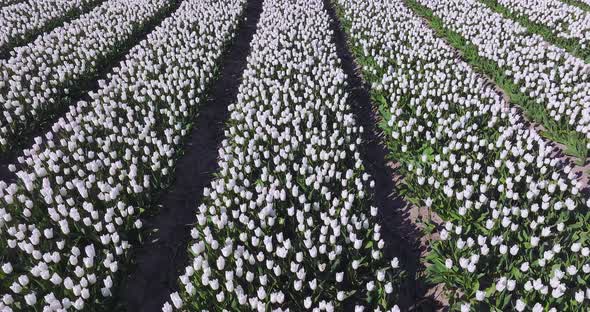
401,235
164,254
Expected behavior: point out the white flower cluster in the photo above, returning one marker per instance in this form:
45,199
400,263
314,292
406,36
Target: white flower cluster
22,21
515,231
566,21
38,79
549,75
66,225
4,3
286,225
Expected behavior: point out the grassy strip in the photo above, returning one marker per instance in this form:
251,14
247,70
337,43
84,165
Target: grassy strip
577,3
570,45
575,143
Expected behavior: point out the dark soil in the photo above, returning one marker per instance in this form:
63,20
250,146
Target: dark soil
160,261
80,93
401,235
5,174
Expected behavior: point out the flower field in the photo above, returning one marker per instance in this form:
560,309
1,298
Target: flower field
511,211
566,21
284,224
22,21
4,3
555,82
82,188
482,108
40,78
566,25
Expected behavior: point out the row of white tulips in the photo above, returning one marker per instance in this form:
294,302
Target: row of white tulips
4,3
67,224
556,80
38,79
287,225
514,231
566,21
20,22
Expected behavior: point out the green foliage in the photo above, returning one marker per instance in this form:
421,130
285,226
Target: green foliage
571,45
561,132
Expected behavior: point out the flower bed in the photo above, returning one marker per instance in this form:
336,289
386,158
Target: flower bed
43,76
21,22
287,222
513,236
566,21
67,225
554,84
4,3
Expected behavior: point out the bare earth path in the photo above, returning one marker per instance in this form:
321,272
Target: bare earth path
402,235
165,253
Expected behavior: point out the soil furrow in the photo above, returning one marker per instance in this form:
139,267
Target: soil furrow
401,232
159,260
